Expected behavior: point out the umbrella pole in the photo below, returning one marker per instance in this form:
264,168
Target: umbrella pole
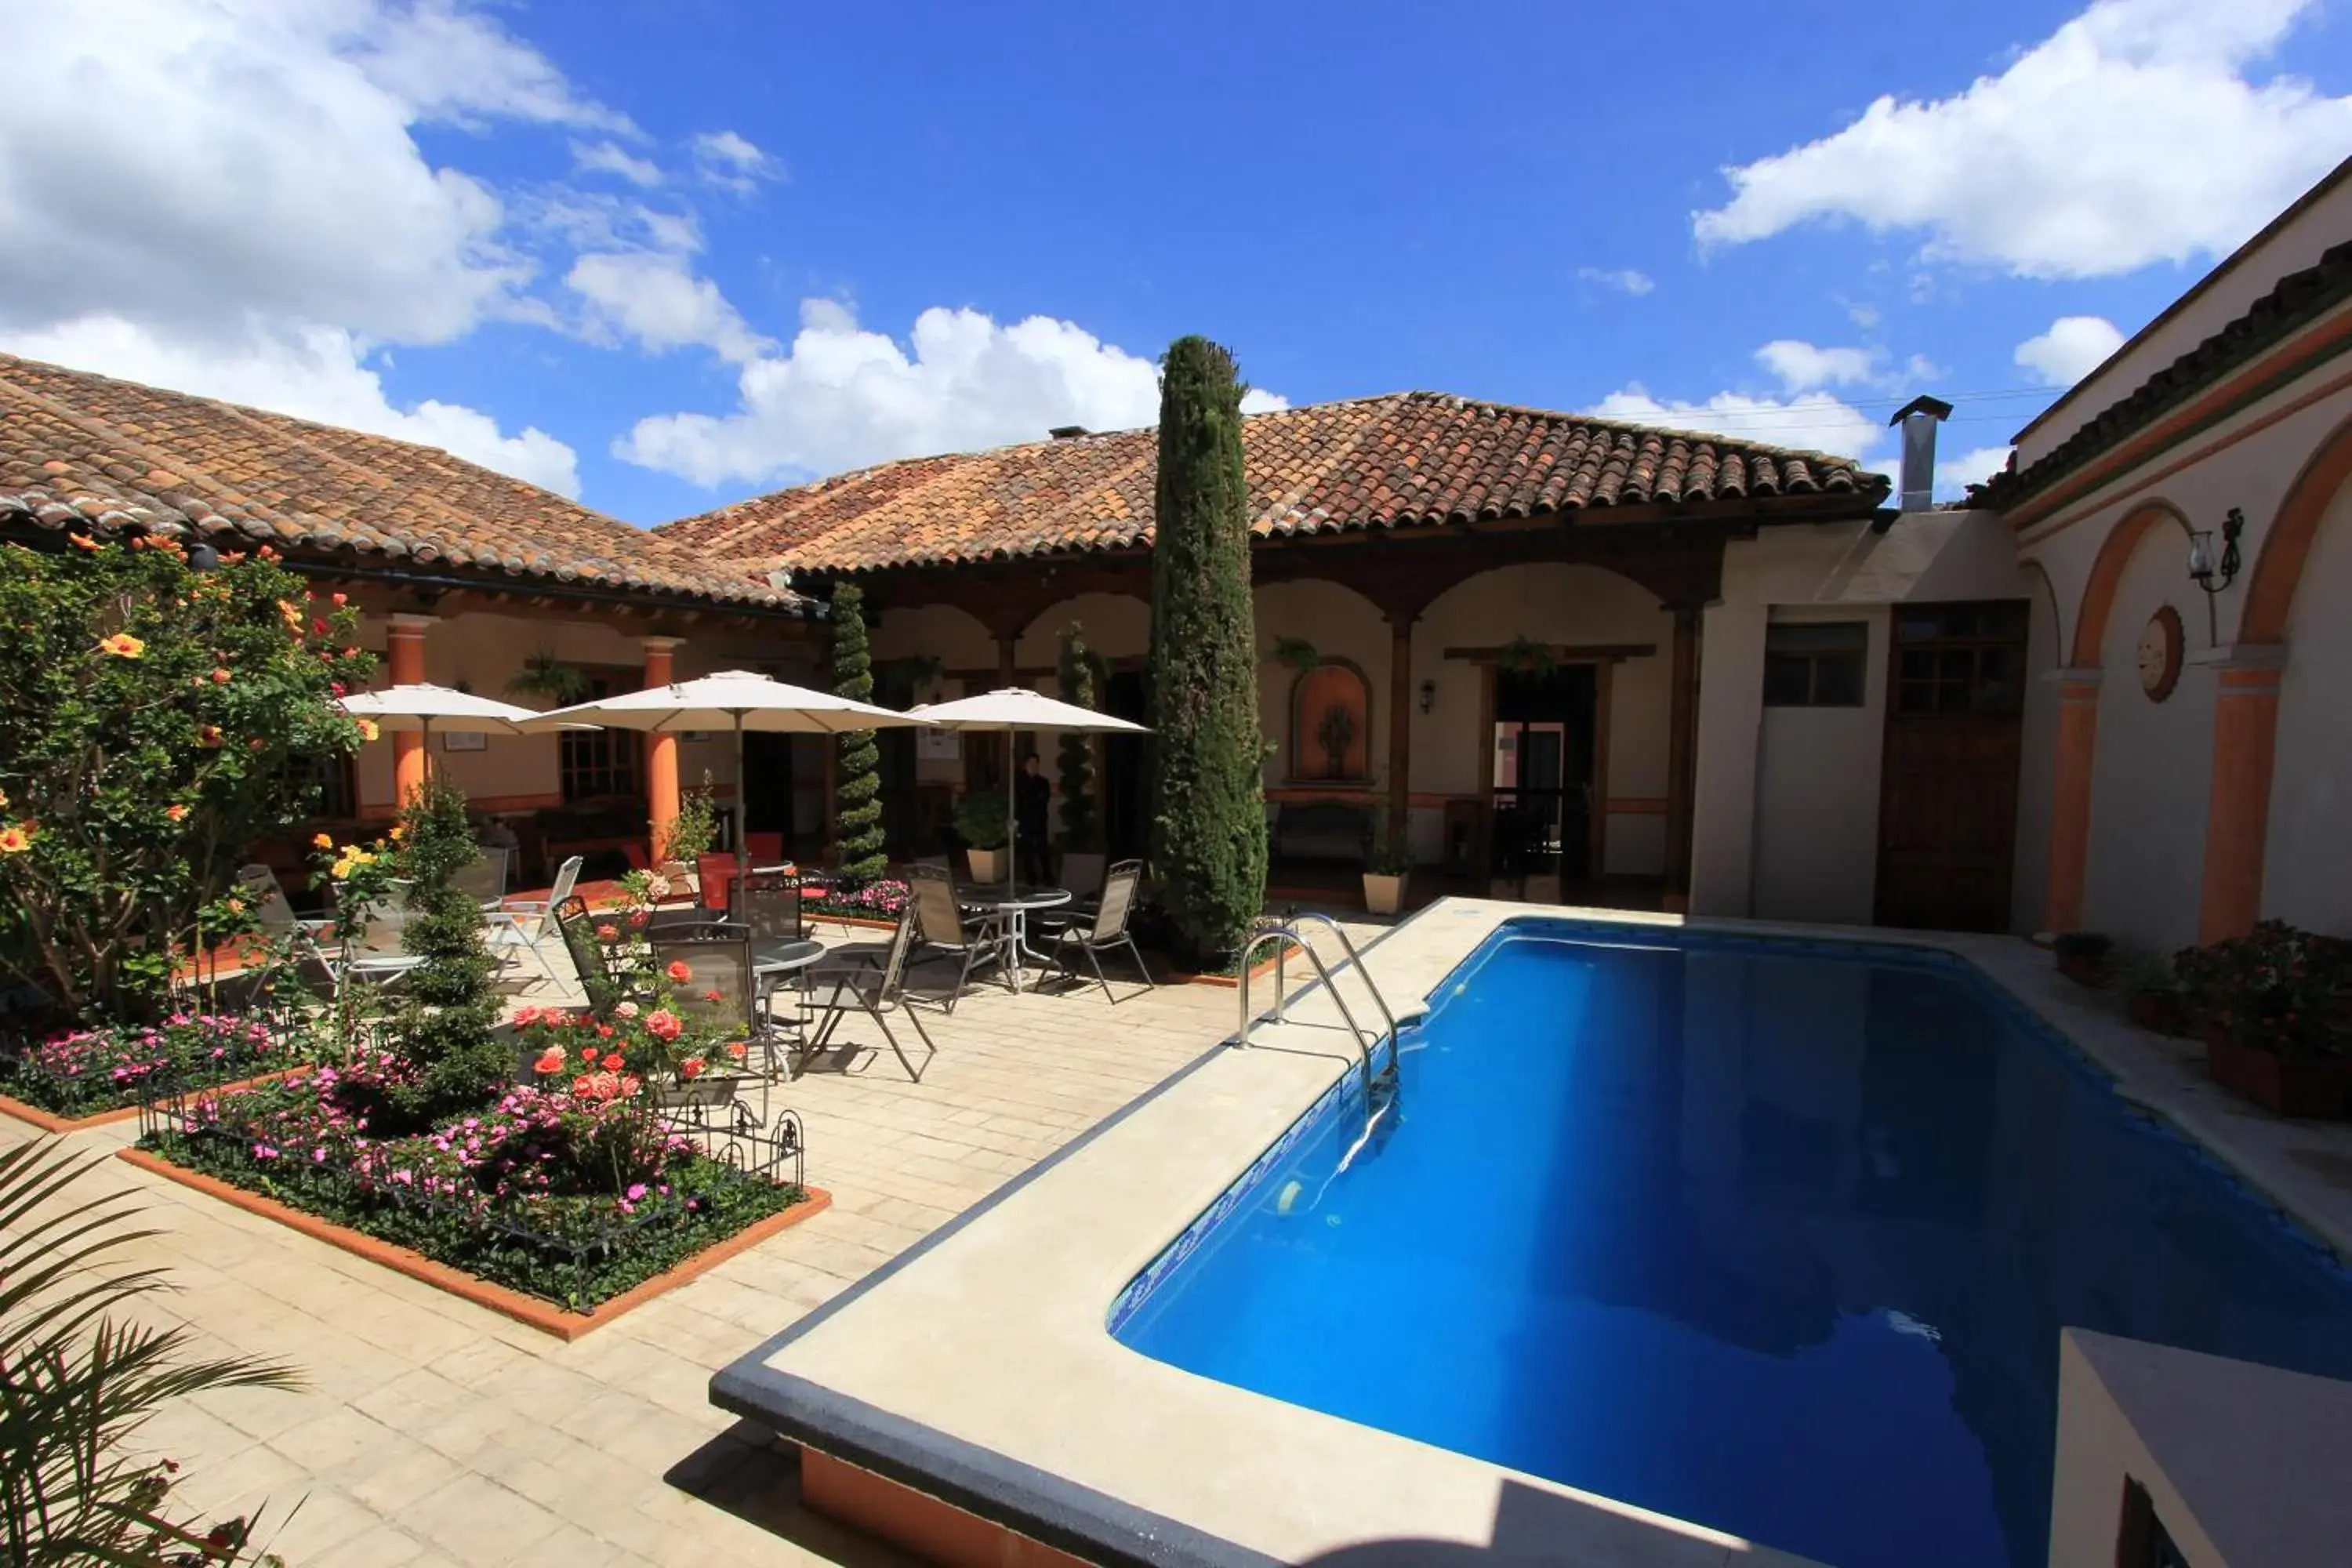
1012,819
743,844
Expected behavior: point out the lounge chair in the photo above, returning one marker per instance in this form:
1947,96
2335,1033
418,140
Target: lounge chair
519,923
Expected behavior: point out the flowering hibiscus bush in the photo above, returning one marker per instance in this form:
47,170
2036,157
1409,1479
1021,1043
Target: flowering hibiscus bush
2278,989
84,1071
570,1195
154,721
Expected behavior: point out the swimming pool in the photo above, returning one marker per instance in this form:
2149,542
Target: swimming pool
1775,1237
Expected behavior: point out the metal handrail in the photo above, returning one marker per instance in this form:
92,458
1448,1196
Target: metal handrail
1365,1044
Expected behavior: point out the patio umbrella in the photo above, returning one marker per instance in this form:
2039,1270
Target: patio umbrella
1016,708
738,700
417,708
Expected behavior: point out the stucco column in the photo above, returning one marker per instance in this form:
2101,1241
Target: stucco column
2070,797
2238,812
1723,790
1008,668
661,750
1682,750
1400,732
404,663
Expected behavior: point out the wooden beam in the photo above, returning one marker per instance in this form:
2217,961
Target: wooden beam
1563,653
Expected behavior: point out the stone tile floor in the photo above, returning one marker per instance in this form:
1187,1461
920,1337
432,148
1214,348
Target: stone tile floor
438,1433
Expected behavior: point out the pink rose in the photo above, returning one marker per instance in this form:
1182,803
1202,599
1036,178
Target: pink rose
663,1025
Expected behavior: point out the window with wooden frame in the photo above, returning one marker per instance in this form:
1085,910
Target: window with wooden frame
602,765
1959,659
1815,664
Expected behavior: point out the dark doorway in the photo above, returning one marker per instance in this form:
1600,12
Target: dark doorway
1948,803
1542,804
1127,797
894,686
768,783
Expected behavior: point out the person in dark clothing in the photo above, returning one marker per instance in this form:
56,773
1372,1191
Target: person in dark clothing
1031,793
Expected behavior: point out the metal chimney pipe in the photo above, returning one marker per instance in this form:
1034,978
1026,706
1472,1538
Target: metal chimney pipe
1918,419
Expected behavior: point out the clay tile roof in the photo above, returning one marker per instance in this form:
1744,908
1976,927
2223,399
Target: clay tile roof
91,453
1408,459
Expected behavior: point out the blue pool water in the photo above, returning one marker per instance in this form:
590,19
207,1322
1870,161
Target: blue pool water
1774,1237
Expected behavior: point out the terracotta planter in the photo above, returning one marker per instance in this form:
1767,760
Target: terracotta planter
2280,1085
988,865
2084,968
2158,1012
1383,895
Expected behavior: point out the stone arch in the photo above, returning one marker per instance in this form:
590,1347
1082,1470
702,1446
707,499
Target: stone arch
2287,547
2116,552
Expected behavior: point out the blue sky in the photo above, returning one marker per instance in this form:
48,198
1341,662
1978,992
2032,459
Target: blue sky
663,254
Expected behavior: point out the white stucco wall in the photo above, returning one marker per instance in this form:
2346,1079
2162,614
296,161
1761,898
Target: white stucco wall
2153,771
1817,783
1116,625
2029,888
2307,875
1343,625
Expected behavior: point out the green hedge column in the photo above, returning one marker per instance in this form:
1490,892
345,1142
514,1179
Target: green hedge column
1208,805
858,827
1075,686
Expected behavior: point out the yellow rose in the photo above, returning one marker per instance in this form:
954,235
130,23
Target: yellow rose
340,870
321,841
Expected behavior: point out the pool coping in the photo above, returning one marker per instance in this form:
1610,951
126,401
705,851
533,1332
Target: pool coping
971,1473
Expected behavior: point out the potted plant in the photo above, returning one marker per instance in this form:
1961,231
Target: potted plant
691,834
2083,956
1385,870
980,822
2151,992
2275,1009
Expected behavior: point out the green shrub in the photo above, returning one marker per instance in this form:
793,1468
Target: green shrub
1208,809
448,1013
857,830
1076,679
154,721
980,818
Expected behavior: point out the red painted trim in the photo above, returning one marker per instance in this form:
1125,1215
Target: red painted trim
528,1311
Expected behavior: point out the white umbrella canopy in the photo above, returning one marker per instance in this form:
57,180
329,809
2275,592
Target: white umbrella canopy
423,707
1016,708
737,700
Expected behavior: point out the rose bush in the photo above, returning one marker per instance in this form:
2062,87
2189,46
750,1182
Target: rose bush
2276,989
154,721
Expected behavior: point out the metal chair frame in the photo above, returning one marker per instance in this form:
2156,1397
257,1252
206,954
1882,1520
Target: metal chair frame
875,993
1105,930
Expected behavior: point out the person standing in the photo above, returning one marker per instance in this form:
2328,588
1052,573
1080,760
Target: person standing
1031,795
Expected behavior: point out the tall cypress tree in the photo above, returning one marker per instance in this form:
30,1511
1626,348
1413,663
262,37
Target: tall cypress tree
1208,801
858,828
1075,681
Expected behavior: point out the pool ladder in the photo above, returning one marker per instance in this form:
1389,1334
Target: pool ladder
1380,1084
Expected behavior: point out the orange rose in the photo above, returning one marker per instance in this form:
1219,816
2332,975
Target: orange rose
220,674
550,1062
321,841
679,972
175,811
689,1070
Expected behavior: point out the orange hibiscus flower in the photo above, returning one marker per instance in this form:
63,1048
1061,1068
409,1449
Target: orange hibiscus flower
122,645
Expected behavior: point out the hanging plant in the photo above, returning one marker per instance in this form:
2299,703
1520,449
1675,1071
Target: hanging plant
544,675
1296,653
1525,656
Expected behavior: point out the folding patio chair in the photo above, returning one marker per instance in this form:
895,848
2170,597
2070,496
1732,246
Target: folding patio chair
507,932
485,878
768,907
1104,931
947,932
306,944
1082,873
878,993
604,989
718,990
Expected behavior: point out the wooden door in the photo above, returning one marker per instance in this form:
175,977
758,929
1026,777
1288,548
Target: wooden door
1947,801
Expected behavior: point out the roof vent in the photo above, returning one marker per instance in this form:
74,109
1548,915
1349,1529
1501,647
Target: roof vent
1919,418
780,578
1069,432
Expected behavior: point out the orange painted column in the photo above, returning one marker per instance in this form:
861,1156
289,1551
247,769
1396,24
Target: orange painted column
661,750
2070,808
2238,813
405,664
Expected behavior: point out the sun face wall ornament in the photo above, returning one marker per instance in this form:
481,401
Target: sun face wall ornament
2160,653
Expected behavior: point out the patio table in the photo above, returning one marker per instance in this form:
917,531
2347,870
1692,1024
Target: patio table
1011,903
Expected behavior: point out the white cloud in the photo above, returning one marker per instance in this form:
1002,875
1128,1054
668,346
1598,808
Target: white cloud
1813,420
317,373
1624,279
843,396
724,158
2135,134
252,213
656,299
1954,475
1802,367
612,158
2071,349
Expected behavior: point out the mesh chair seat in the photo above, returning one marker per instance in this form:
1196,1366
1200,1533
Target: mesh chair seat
1090,935
876,992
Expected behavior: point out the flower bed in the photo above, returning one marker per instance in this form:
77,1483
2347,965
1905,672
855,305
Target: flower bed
571,1197
88,1072
883,900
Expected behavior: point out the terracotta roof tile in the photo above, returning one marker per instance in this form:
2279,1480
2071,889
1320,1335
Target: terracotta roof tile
1404,460
86,451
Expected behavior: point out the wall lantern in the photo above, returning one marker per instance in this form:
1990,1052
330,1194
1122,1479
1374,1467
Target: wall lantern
1428,695
2212,575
